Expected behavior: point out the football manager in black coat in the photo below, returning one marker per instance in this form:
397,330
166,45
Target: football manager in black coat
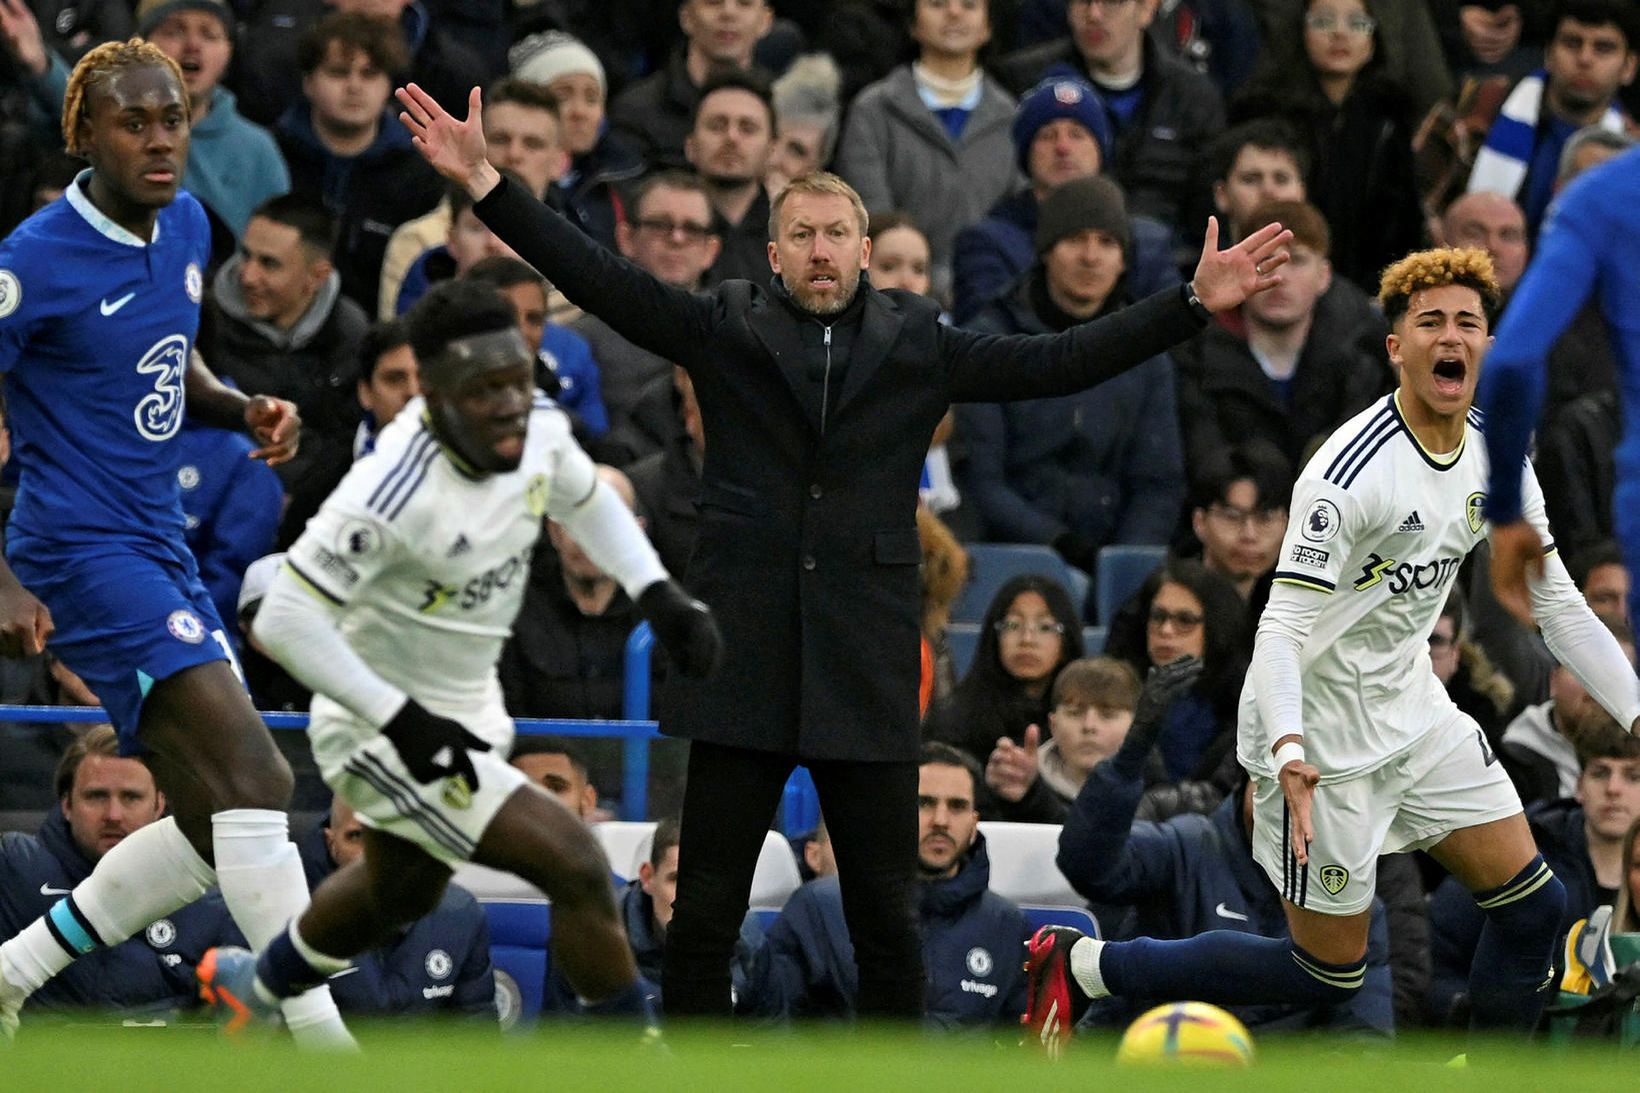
819,395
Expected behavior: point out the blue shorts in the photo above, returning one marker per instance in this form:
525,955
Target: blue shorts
127,615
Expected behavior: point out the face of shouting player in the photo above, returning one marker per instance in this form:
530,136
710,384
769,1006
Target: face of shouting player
820,251
1438,346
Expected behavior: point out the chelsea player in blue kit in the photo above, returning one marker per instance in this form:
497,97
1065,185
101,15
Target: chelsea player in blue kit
1590,244
99,305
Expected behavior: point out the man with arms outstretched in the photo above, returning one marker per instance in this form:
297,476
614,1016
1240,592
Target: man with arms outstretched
819,395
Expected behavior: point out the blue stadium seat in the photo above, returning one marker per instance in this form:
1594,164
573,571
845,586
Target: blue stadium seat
1122,569
990,565
520,920
962,638
1076,917
1093,640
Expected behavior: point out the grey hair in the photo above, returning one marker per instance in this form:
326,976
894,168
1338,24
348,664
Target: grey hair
809,92
1589,134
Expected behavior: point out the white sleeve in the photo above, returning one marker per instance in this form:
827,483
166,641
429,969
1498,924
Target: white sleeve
1575,634
1321,533
1277,683
598,520
297,626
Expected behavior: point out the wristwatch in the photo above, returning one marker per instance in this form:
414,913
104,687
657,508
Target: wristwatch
1194,302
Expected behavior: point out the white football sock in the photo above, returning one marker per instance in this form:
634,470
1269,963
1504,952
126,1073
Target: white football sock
260,873
147,875
1084,965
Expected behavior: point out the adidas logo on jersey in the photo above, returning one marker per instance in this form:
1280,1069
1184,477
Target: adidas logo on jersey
459,547
1411,523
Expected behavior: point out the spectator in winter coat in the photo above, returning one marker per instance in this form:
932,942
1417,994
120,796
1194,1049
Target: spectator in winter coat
102,798
1083,471
972,937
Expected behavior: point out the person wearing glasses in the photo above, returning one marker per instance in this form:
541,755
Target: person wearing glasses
1240,516
1183,610
1327,77
1162,111
670,234
1030,631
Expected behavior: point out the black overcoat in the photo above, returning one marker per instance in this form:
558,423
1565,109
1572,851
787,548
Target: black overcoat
808,550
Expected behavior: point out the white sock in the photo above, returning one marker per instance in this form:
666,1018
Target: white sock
263,884
314,1022
1085,967
149,874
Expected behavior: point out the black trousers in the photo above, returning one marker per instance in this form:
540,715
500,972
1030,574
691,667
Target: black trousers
871,814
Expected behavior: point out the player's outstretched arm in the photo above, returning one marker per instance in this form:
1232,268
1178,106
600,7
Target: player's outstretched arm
665,320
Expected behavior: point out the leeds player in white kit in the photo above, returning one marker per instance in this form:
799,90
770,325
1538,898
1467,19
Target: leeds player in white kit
393,607
1352,743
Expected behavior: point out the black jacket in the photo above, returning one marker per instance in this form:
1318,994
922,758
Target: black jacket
1157,150
370,194
667,483
559,662
1225,398
590,193
808,542
1577,466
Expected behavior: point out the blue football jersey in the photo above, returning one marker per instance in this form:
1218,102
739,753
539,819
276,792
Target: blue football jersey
96,328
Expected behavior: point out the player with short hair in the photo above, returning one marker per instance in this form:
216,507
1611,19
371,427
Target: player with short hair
99,307
1353,745
393,607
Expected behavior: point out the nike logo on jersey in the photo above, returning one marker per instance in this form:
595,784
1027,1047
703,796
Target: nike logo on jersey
1224,912
48,890
109,308
344,971
1411,523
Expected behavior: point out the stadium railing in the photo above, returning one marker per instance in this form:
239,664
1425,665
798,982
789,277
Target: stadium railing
635,734
800,802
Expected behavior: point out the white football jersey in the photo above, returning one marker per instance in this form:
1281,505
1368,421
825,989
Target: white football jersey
1381,525
429,563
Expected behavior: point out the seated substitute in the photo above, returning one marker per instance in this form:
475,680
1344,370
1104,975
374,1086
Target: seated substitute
970,935
423,548
102,798
438,964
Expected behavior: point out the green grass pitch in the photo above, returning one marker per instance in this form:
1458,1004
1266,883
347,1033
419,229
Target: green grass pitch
404,1057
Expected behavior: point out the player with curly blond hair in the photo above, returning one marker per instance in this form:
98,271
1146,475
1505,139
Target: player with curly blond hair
1353,746
99,307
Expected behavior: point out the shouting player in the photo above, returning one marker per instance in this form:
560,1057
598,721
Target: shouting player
1354,747
393,606
99,304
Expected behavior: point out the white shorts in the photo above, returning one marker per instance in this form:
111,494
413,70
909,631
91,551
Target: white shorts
441,817
1448,780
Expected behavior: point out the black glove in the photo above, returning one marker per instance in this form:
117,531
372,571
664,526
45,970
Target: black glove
1078,550
1162,688
431,746
684,625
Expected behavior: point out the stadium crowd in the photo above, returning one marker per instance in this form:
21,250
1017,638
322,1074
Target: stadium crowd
1029,164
